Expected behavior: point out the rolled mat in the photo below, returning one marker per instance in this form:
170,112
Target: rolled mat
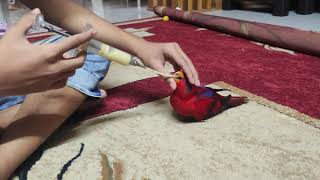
284,37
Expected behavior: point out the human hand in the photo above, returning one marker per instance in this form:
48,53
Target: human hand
154,55
29,68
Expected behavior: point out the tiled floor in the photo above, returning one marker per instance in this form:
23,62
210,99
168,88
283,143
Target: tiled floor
124,10
305,22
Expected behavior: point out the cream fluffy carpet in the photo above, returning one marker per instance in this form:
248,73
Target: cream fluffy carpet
147,142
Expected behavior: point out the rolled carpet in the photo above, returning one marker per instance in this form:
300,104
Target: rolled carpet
289,38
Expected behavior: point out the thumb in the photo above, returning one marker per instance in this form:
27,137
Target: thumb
171,83
170,80
24,24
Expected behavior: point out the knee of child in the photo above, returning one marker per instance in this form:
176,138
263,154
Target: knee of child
61,102
4,169
65,94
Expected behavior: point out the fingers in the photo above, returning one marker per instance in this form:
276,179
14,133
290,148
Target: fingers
73,42
59,84
160,70
24,24
191,66
80,51
183,63
59,80
72,63
65,75
171,83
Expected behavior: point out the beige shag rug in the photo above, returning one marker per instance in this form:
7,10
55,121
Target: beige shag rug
251,141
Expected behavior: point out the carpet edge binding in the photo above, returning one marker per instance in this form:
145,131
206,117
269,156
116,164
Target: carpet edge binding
273,105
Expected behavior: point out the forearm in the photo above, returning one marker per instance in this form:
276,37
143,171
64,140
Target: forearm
32,122
73,18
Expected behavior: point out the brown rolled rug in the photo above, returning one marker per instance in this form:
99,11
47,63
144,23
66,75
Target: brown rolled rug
289,38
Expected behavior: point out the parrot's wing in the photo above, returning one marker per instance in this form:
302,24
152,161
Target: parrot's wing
217,90
207,92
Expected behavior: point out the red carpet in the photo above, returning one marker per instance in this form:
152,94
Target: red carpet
290,80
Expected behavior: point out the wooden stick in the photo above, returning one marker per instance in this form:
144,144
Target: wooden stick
209,4
199,4
190,5
219,4
174,3
163,74
182,4
152,3
164,2
160,73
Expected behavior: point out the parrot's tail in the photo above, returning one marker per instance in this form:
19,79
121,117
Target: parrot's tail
230,102
237,101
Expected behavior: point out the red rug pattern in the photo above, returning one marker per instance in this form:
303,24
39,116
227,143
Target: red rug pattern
290,80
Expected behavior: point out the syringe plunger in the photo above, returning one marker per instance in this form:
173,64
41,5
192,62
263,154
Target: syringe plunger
113,54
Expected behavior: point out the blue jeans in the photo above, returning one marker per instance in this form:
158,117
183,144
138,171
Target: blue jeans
85,80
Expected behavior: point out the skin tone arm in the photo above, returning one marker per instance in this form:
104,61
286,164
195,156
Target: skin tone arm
73,17
27,68
27,125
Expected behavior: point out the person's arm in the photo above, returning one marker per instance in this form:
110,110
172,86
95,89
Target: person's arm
73,17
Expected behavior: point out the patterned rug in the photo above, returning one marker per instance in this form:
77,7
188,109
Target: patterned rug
279,75
133,133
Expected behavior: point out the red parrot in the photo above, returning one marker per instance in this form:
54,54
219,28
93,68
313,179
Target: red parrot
200,103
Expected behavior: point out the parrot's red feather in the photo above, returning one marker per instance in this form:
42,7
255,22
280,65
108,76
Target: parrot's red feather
200,103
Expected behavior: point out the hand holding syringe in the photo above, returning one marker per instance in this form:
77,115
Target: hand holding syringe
101,49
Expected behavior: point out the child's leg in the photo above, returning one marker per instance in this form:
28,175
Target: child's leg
38,116
6,117
9,106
